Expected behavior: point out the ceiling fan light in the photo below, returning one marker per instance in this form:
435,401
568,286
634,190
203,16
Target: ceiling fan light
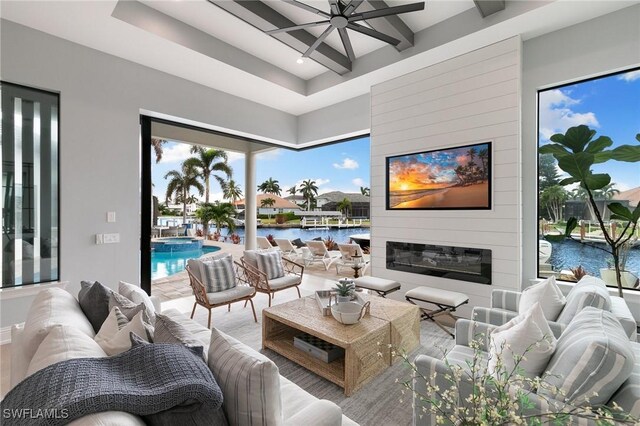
300,60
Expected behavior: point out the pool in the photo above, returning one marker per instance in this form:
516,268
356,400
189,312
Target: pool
164,264
570,254
172,245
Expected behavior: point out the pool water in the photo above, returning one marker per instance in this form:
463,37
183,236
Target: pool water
167,264
570,254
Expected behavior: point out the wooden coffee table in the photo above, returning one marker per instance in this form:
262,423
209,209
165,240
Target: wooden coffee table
390,321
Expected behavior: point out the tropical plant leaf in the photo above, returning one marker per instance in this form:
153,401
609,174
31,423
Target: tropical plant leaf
628,153
571,225
597,181
576,138
602,157
558,138
638,137
577,165
599,144
618,217
555,149
620,210
568,181
636,213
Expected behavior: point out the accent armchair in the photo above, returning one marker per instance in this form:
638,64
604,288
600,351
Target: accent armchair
260,279
239,290
590,291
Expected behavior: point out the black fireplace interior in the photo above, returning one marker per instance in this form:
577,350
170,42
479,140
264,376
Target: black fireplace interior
456,263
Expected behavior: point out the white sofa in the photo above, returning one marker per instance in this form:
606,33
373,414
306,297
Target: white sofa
298,406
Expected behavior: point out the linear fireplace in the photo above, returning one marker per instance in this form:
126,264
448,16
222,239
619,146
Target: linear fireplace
456,263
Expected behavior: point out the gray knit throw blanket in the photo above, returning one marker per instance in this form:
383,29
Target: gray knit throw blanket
163,383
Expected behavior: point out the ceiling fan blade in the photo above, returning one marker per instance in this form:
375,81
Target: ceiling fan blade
379,13
318,41
307,8
373,33
351,7
347,43
297,27
335,9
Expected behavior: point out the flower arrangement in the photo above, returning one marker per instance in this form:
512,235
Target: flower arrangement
475,396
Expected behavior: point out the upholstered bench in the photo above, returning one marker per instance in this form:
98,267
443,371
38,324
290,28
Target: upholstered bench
446,301
381,286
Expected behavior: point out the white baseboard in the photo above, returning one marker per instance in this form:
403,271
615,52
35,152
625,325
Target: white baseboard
5,335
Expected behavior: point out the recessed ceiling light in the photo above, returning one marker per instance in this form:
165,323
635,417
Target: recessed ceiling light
300,61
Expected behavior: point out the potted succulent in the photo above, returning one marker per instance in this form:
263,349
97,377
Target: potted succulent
576,152
344,290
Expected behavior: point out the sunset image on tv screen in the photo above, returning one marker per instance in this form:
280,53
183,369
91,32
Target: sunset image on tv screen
454,178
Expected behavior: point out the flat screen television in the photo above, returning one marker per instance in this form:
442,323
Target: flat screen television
456,178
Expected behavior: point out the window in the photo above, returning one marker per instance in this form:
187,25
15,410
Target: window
610,105
30,222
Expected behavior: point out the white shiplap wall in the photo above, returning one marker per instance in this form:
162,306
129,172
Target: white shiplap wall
471,98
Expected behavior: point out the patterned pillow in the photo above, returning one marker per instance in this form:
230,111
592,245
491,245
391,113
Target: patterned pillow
270,263
250,382
127,307
593,358
94,301
218,274
114,335
138,295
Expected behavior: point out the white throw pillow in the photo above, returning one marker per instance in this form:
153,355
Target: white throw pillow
51,307
250,382
137,296
270,262
113,336
62,343
529,330
548,294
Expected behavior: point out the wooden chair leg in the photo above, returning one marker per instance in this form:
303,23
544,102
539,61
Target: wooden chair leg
245,303
209,321
194,309
229,307
252,309
269,294
299,295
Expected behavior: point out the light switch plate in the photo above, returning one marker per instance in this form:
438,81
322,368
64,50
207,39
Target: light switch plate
111,238
99,239
111,217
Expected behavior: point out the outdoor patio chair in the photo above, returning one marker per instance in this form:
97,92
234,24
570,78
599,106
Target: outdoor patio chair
263,278
348,252
290,251
238,290
263,243
318,253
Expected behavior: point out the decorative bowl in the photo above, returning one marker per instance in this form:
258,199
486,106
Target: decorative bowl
349,312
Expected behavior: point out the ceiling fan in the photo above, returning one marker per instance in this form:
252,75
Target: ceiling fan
343,16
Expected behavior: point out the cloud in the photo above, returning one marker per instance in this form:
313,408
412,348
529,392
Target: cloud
235,156
358,182
347,163
319,182
175,153
630,76
556,116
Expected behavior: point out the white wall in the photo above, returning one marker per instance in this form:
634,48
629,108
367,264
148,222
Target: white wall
101,98
600,46
471,98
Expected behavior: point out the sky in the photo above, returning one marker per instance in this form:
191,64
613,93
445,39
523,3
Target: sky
429,170
609,105
338,167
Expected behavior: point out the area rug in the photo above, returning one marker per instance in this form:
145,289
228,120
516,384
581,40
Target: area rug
379,402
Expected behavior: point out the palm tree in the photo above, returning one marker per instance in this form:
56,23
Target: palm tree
181,183
270,186
472,154
484,158
266,203
232,191
344,206
293,190
608,192
207,161
221,214
156,144
309,190
365,191
553,199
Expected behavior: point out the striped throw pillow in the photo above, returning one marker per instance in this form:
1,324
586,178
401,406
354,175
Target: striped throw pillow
250,382
270,262
218,274
593,355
